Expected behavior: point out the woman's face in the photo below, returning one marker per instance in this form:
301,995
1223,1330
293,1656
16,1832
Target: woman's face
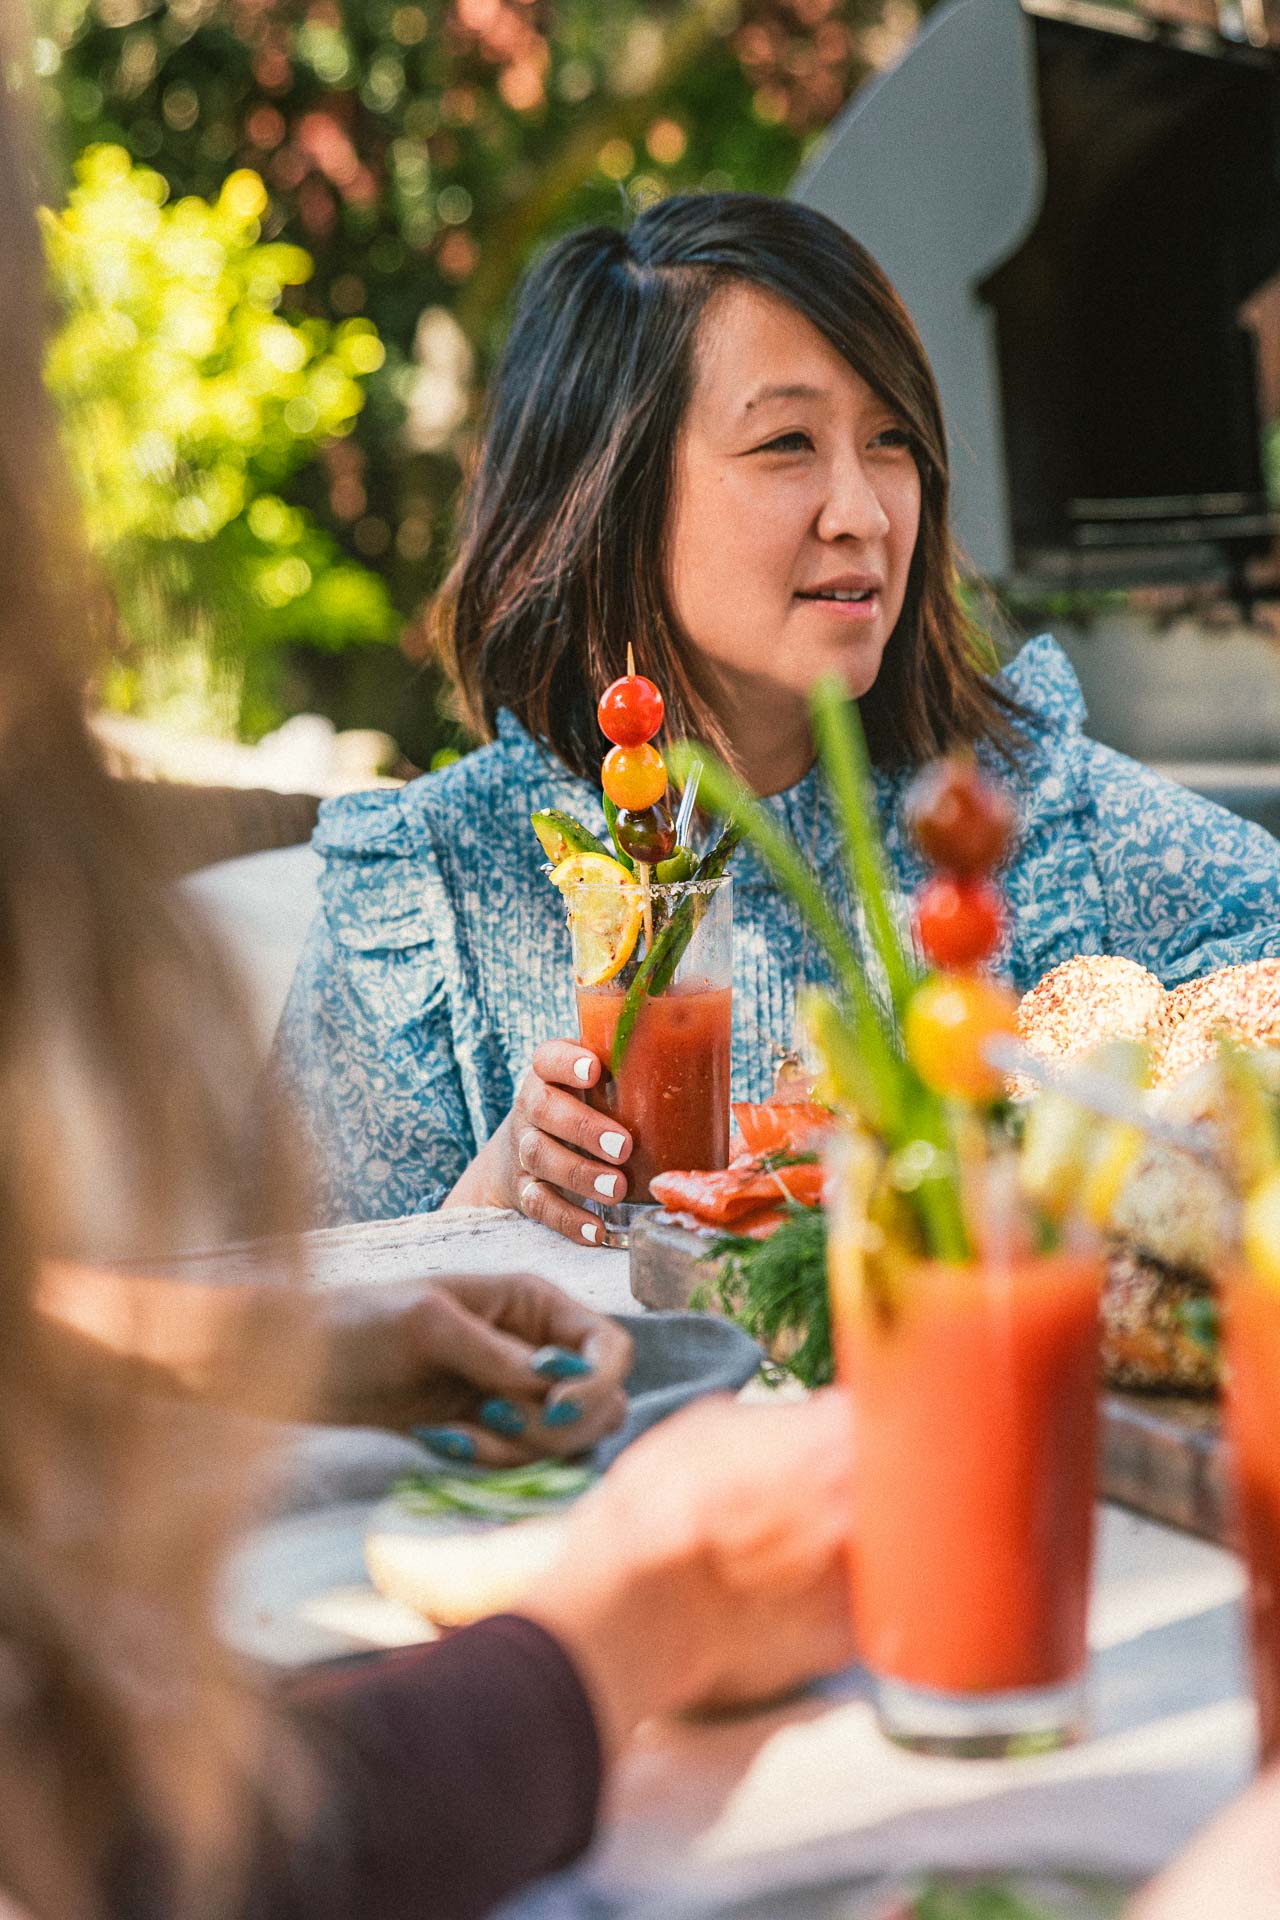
796,510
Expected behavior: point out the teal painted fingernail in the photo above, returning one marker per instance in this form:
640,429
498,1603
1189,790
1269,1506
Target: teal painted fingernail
562,1414
502,1417
557,1363
447,1441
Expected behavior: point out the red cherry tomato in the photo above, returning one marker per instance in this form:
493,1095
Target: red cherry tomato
634,777
948,1023
959,921
630,711
960,820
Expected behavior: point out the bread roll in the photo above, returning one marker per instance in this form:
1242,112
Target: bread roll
1243,1002
455,1570
1085,1001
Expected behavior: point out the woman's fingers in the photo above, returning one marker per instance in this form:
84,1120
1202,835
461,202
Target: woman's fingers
537,1201
566,1063
559,1166
550,1110
506,1432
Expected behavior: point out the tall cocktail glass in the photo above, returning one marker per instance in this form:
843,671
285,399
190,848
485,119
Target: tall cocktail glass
670,1088
974,1396
1252,1319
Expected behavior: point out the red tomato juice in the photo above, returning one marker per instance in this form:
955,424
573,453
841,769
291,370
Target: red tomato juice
1253,1417
672,1094
975,1410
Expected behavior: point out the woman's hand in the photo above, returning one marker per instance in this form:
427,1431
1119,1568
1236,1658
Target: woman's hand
708,1567
497,1369
552,1148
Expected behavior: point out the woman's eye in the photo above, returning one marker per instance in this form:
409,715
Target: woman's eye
892,437
796,442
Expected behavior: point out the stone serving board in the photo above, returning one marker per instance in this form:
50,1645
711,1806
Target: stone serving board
1160,1454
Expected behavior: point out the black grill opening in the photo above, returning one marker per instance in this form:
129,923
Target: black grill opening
1128,368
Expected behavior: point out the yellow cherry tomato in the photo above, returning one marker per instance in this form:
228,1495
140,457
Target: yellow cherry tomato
634,777
948,1023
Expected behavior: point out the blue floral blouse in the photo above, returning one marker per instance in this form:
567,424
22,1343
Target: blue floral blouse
439,959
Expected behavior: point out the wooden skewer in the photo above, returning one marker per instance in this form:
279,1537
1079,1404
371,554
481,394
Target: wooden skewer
631,659
647,904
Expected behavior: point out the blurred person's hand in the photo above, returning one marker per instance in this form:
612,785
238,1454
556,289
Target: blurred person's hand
1231,1871
552,1149
498,1368
708,1567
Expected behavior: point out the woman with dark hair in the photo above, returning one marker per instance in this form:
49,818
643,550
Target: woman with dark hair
713,437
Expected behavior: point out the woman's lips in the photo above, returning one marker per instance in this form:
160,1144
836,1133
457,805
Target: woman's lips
854,610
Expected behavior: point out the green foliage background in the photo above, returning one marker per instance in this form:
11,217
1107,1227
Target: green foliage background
418,151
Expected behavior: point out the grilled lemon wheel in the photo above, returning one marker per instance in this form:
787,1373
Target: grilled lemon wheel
605,914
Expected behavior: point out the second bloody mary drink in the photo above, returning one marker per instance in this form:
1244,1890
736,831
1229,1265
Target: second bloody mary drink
1253,1415
973,1387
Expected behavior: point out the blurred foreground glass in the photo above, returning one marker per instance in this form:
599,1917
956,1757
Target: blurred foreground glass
974,1393
671,1090
1253,1420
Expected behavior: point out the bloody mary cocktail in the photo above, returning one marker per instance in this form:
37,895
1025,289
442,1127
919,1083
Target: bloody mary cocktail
974,1394
672,1091
661,1022
1253,1415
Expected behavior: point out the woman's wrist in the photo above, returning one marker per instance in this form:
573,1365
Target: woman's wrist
481,1184
605,1623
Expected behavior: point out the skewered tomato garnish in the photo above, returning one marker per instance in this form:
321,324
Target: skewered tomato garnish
649,836
634,777
630,711
959,819
959,920
948,1023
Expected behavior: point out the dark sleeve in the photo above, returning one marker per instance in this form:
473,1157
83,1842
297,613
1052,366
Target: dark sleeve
453,1773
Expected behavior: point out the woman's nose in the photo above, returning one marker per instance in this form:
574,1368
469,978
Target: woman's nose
852,508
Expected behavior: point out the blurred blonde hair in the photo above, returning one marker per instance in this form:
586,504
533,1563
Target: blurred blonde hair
123,1061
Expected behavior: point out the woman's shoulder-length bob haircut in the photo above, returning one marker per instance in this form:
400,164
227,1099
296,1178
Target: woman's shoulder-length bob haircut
562,551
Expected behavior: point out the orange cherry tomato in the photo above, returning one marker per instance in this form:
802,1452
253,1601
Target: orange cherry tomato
959,921
948,1023
634,777
630,711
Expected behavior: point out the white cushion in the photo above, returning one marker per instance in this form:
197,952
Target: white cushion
259,908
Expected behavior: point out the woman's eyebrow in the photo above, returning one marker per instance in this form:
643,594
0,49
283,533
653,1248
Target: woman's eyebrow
796,391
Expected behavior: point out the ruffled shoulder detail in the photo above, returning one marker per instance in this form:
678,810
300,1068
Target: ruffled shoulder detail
361,823
380,887
1043,680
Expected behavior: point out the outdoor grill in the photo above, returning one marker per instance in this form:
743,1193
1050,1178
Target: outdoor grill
1076,202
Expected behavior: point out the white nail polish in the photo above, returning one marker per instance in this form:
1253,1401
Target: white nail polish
591,1231
612,1144
607,1184
582,1070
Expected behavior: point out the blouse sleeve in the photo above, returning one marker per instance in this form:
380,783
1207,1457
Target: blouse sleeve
365,1048
1188,886
1117,859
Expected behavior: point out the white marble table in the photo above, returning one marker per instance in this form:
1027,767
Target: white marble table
809,1787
